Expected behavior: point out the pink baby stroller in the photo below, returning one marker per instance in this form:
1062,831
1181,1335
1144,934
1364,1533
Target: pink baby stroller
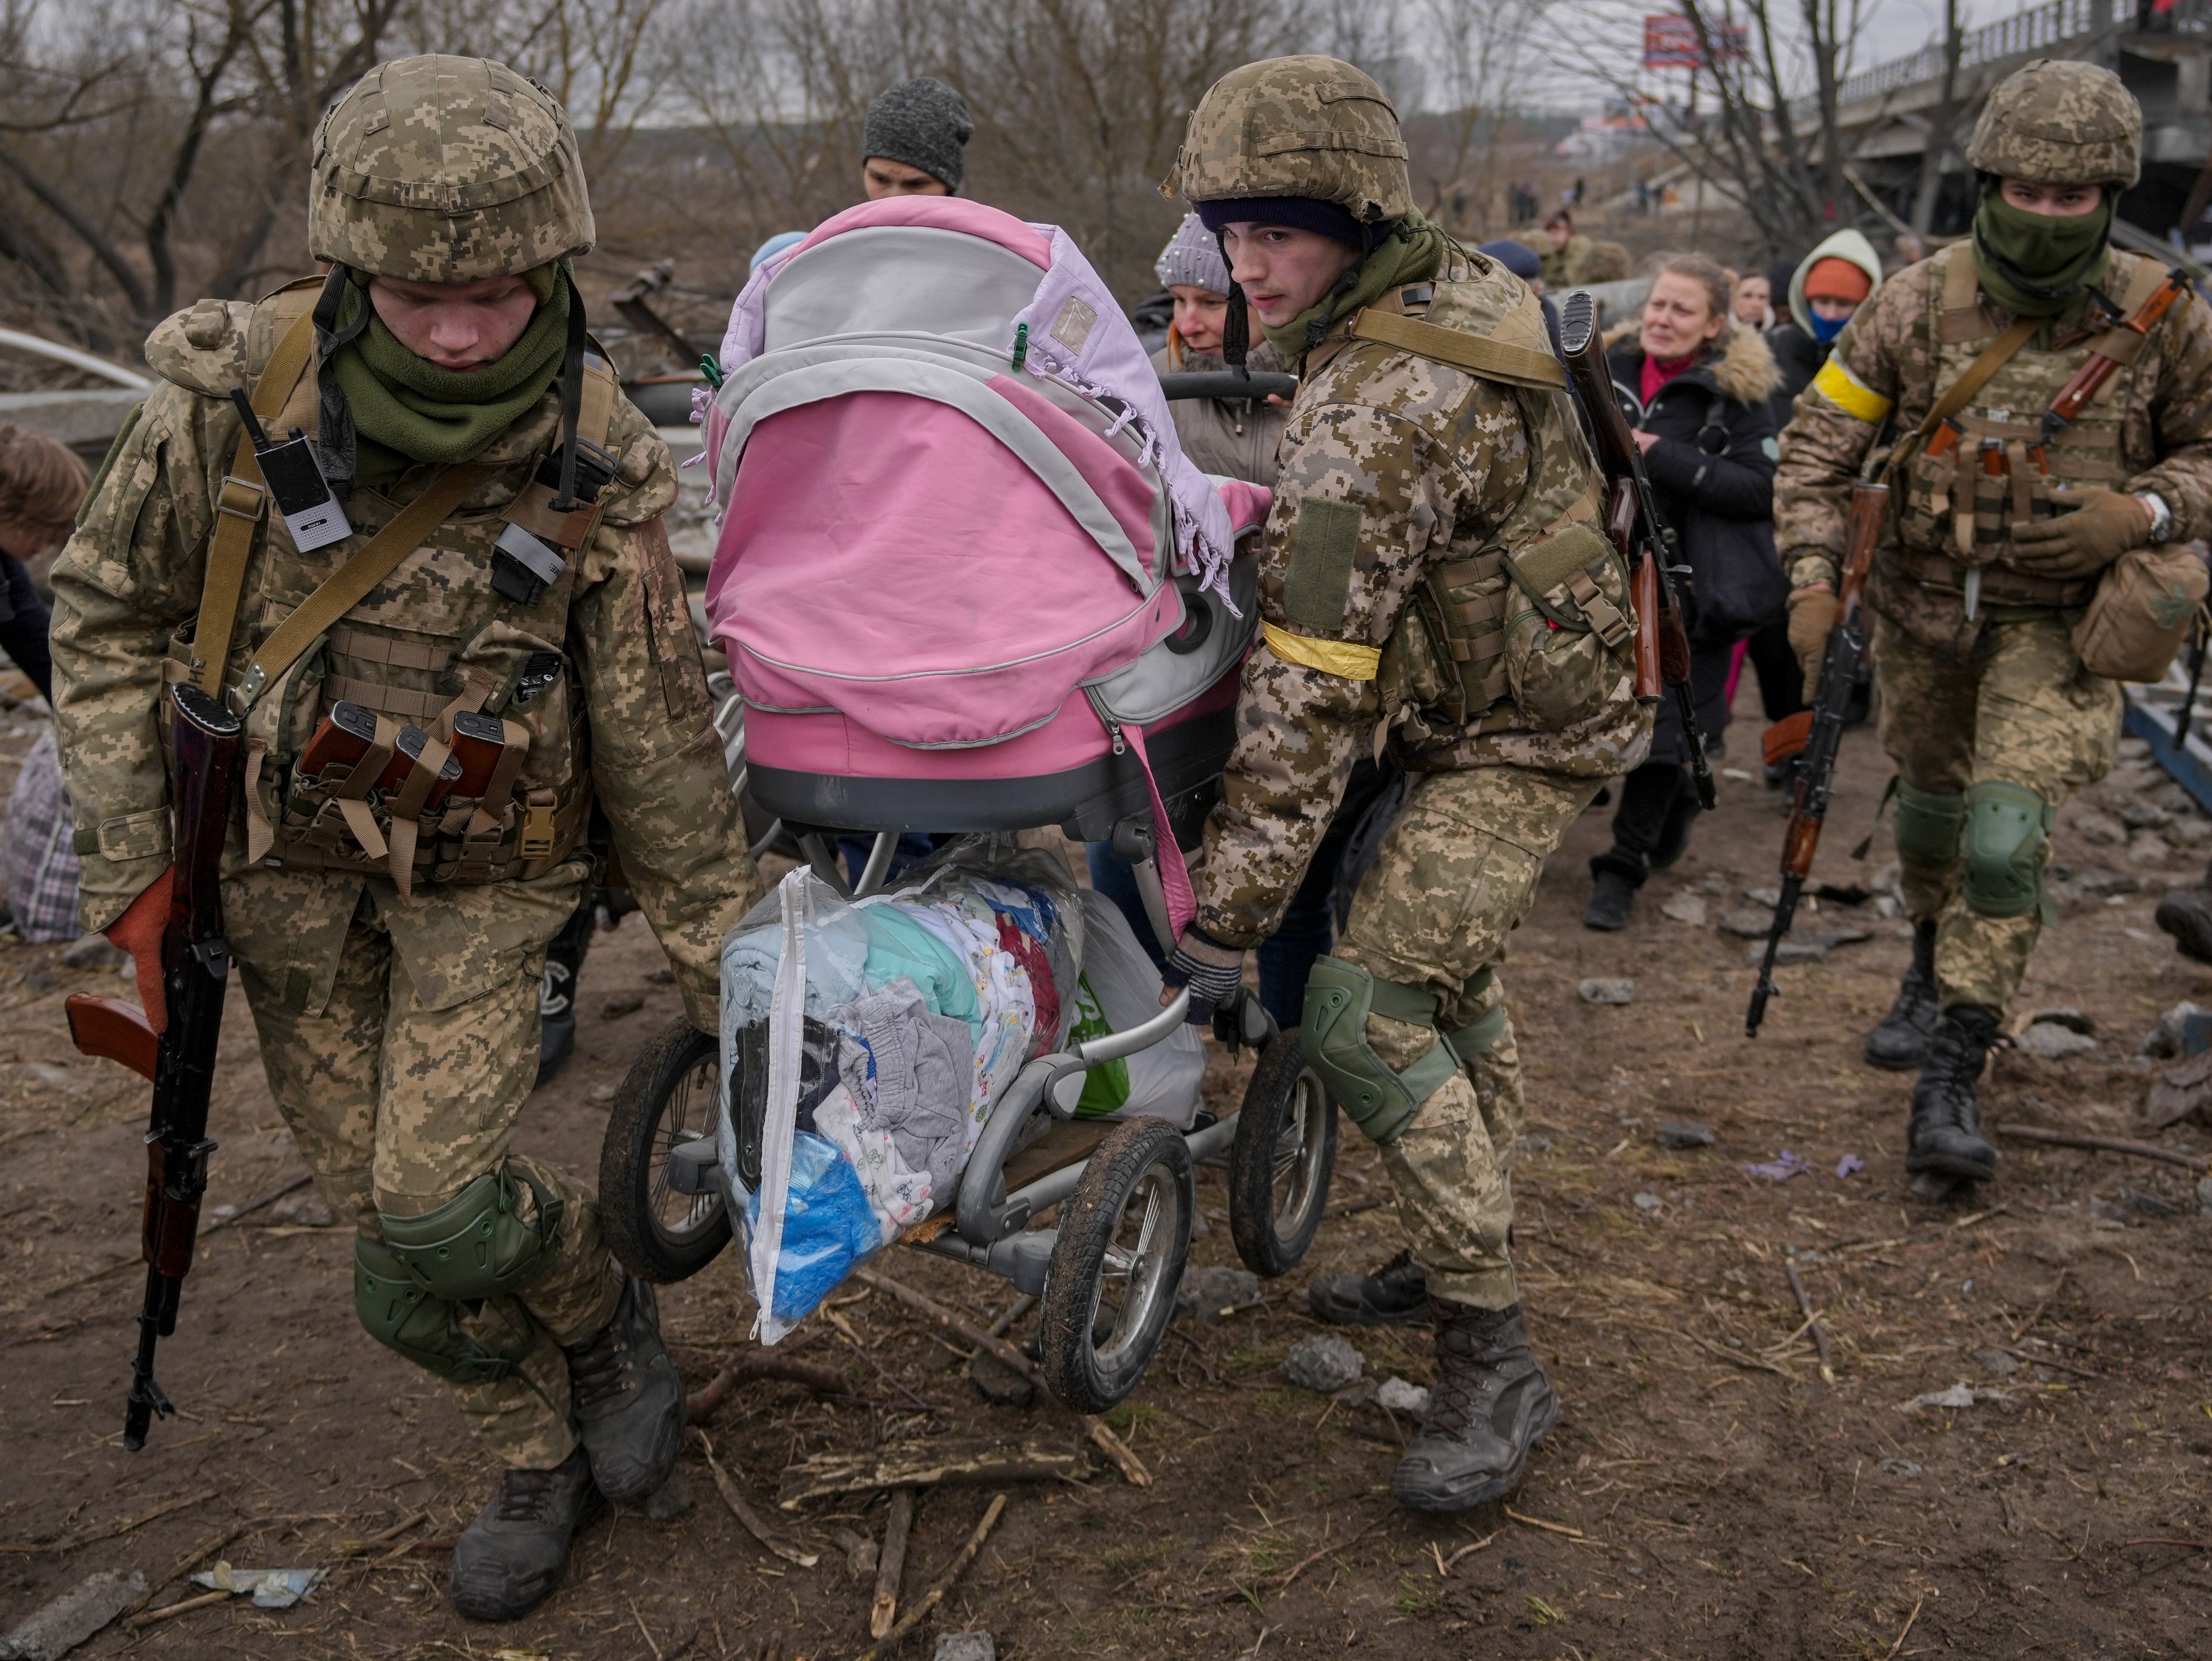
967,583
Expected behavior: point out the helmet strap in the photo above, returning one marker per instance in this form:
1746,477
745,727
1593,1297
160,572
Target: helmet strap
1235,327
572,395
336,447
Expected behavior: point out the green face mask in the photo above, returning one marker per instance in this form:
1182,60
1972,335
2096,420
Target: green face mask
2039,264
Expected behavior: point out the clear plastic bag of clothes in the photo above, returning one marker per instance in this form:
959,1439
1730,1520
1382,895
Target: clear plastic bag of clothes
863,1044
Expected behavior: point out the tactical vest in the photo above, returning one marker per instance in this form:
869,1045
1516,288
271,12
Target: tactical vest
1531,632
1959,508
430,640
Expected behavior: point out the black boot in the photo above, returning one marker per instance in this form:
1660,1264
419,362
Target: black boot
1944,1135
1619,874
1394,1295
509,1560
1898,1043
630,1402
1490,1405
2186,914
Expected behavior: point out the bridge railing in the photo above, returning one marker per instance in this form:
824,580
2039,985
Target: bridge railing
2008,37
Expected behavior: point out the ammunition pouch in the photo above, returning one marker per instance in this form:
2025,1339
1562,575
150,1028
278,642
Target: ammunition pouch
399,1314
1381,1102
479,1243
2008,831
1927,825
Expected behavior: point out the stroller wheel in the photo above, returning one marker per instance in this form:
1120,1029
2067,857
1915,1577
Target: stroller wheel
667,1099
1110,1290
1281,1164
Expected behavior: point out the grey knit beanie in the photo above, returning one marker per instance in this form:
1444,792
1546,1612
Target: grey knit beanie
923,123
1192,258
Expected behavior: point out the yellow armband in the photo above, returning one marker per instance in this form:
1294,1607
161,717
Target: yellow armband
1331,657
1851,394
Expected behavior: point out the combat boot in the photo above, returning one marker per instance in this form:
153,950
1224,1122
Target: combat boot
509,1560
1394,1295
1945,1133
630,1402
1898,1043
1490,1405
2186,914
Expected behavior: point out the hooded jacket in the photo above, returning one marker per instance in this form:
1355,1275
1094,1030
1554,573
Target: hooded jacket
1797,351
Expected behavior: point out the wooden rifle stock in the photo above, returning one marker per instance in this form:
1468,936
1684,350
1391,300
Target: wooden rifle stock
1643,589
113,1030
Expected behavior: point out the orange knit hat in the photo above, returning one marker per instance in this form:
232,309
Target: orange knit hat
1836,279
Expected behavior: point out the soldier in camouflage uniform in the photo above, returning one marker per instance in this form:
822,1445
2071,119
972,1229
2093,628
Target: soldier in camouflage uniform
1986,708
1433,579
391,948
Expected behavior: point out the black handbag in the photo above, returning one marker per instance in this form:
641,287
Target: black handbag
1737,581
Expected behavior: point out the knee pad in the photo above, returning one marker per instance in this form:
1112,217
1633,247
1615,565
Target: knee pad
478,1244
2007,830
1927,823
1339,997
396,1312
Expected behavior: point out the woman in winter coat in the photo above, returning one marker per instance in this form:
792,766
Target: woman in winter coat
1233,437
1700,383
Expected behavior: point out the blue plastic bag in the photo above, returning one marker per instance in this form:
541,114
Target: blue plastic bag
827,1226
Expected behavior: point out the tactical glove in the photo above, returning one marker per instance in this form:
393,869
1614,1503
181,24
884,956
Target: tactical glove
2093,528
1212,971
138,931
1813,613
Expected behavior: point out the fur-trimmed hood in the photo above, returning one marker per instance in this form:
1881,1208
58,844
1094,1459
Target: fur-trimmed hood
1739,363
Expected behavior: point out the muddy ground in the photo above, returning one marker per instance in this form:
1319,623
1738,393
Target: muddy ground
1708,1492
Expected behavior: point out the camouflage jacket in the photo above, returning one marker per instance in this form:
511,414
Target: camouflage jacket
128,586
2150,430
1415,466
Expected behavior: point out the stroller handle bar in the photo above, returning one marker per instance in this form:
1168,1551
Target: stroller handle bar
1228,384
1115,1045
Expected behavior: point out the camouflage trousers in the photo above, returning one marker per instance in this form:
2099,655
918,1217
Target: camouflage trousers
1455,875
400,1042
2018,708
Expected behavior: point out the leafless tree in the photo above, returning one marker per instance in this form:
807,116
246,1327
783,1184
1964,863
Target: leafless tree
1941,123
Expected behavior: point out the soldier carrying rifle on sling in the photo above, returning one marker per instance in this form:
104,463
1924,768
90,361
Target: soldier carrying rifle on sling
2048,400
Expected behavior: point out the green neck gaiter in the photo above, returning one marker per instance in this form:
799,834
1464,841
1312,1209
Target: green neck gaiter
2038,264
1413,253
406,410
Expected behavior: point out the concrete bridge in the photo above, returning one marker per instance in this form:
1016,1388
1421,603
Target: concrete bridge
2165,56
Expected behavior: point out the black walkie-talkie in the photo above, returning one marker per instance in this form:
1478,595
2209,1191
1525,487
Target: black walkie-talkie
295,479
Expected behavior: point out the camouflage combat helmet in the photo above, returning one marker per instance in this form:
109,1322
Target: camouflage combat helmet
1306,126
446,170
2059,122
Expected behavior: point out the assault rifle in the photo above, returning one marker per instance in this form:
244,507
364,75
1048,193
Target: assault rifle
180,1062
1646,541
1816,735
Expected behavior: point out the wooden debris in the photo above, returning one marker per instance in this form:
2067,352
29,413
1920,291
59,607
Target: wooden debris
184,1566
1812,1322
1120,1452
955,1323
70,1542
1539,1522
743,1509
930,1599
184,1606
702,1404
2028,1133
890,1563
928,1462
1888,1654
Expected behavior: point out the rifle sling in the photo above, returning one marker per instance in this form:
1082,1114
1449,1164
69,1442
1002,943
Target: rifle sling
1995,356
239,506
1477,354
348,586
